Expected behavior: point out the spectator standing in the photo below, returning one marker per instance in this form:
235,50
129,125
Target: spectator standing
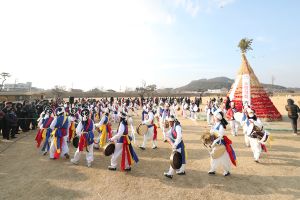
2,115
293,111
10,121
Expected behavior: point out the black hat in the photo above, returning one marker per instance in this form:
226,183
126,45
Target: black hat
85,112
59,111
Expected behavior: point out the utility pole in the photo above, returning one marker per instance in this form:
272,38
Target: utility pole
15,84
273,79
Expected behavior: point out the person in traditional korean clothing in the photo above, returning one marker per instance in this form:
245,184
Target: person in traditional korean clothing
123,146
85,132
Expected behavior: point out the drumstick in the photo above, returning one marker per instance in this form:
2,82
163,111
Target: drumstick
207,149
132,133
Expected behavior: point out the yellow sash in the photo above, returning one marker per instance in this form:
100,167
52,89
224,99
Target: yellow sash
103,135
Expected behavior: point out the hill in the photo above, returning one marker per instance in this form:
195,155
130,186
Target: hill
218,83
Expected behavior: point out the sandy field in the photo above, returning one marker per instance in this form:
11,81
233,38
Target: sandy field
26,174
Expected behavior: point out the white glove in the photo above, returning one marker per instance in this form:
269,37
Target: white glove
42,113
174,147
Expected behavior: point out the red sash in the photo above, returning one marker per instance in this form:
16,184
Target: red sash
109,130
38,138
264,148
39,135
228,143
82,140
71,131
125,153
155,132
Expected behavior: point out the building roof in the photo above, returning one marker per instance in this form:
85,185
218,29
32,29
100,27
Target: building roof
19,93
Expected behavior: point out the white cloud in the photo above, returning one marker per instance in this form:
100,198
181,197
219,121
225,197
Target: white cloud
194,7
190,6
223,3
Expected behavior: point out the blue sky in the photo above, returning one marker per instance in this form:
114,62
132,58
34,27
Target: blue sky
166,42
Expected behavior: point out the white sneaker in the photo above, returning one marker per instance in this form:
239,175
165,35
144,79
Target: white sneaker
180,172
168,175
89,164
73,161
226,173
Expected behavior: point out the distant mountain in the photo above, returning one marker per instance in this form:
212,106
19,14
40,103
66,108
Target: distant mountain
202,85
205,84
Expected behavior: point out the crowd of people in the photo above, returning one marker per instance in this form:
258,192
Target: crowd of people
87,124
17,117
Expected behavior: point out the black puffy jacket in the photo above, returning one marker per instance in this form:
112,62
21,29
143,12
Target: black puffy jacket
292,109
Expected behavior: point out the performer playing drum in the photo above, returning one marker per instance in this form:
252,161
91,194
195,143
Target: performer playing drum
256,135
151,129
105,130
184,108
59,126
215,151
193,111
165,114
230,116
85,131
209,112
73,124
123,146
44,133
174,137
218,131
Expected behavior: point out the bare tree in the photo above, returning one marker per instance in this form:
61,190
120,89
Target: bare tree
141,90
58,91
94,92
145,89
3,75
128,89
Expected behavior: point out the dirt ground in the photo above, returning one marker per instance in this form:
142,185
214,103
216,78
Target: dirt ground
26,174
